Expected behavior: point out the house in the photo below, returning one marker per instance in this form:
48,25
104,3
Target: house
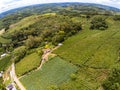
1,74
3,55
11,87
60,44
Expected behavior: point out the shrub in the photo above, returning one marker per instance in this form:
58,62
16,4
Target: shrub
19,53
113,81
98,23
73,76
116,17
33,42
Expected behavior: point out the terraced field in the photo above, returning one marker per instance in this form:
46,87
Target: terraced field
53,73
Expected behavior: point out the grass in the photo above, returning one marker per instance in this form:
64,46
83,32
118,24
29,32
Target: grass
54,72
27,64
95,51
5,62
3,40
94,48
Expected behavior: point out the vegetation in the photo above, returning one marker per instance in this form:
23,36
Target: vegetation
88,59
2,87
19,53
30,62
74,9
117,17
98,23
95,52
5,62
53,73
113,81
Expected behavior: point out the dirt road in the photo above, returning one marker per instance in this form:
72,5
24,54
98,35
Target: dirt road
14,76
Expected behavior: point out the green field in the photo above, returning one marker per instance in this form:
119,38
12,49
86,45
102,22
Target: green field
54,72
93,48
95,52
27,64
3,40
5,62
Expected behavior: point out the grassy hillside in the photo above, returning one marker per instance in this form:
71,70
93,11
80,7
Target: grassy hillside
92,45
73,9
54,72
95,52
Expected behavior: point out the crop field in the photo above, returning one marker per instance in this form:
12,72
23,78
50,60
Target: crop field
27,64
96,52
5,62
54,72
93,48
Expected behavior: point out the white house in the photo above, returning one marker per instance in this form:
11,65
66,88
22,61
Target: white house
0,75
3,55
60,44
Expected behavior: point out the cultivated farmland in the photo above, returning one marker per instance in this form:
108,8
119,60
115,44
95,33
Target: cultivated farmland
27,64
53,73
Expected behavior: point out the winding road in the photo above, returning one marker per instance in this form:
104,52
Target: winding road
16,80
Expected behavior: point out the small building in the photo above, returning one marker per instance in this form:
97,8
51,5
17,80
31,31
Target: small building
60,44
11,87
3,55
1,75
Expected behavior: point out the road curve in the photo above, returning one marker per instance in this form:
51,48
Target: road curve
19,84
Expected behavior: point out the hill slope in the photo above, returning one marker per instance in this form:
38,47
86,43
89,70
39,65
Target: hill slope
15,15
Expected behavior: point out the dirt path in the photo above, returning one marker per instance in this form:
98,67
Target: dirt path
45,57
14,76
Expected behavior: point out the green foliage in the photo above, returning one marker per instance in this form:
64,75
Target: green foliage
44,28
113,81
52,87
95,52
71,10
39,52
57,39
73,76
53,73
98,23
2,87
27,64
33,42
19,53
116,17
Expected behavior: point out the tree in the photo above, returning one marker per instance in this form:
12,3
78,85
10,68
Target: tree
113,81
116,17
39,52
33,42
57,39
98,23
19,53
